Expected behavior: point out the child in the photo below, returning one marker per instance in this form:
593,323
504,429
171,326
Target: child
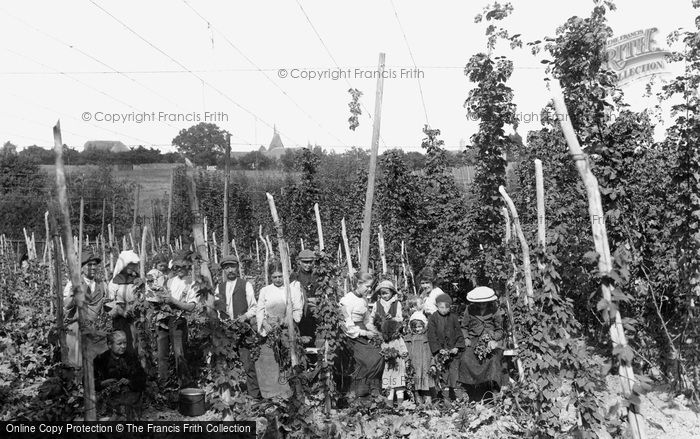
388,306
446,339
419,355
394,352
482,365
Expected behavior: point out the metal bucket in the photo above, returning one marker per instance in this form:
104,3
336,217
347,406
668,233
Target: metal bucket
192,402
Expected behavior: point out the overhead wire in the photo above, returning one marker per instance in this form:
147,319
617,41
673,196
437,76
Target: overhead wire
410,52
237,49
86,54
330,54
201,79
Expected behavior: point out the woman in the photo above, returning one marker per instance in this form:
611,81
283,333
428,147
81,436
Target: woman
358,325
271,314
481,368
122,292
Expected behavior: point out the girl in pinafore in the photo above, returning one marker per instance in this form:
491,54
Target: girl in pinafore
387,317
420,357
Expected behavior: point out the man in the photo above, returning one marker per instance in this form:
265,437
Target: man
120,371
95,294
172,330
307,284
235,300
428,291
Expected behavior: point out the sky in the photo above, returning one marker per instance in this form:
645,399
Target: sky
140,72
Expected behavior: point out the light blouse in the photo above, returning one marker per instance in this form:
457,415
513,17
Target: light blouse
272,304
356,311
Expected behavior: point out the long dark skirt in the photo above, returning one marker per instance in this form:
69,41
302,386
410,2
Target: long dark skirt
369,365
473,372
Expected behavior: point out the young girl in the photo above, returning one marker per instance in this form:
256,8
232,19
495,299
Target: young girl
395,352
388,306
482,325
419,355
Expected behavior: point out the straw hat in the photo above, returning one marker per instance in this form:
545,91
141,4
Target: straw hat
481,295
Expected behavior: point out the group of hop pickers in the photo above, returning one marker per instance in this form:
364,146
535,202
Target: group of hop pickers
421,345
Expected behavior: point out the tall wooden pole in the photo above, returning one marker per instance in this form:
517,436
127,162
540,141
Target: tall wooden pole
104,207
80,229
227,160
539,184
170,208
523,244
346,244
319,228
286,268
74,270
600,240
382,249
367,220
136,207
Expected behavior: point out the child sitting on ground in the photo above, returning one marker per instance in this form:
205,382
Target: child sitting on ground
394,352
420,358
446,340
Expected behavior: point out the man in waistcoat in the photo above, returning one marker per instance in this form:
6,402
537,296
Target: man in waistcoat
95,295
235,300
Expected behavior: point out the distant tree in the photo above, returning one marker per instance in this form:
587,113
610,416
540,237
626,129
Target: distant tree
288,159
9,148
203,143
255,160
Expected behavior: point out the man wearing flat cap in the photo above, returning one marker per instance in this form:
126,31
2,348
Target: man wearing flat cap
235,299
307,284
95,294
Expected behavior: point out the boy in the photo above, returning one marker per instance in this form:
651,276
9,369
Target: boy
446,340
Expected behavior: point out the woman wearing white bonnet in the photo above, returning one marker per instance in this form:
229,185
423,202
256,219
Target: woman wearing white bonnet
481,368
122,291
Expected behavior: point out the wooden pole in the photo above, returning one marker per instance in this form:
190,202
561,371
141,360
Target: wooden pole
267,257
58,273
403,267
104,207
286,268
367,220
80,229
523,244
114,214
319,227
600,240
382,249
170,208
198,229
509,310
257,251
227,160
46,257
136,208
142,255
235,252
346,244
215,245
301,240
539,183
74,270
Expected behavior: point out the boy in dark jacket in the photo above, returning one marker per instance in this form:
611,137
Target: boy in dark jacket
446,340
